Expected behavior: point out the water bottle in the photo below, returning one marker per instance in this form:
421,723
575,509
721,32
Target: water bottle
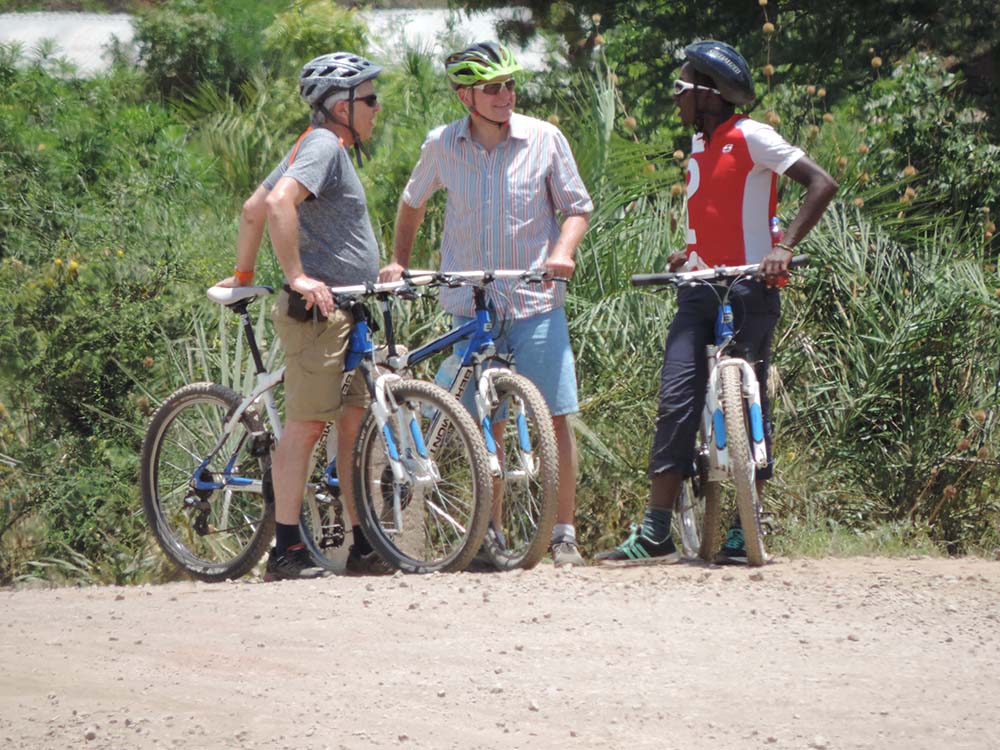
777,233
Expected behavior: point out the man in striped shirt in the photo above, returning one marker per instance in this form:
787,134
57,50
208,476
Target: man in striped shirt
508,178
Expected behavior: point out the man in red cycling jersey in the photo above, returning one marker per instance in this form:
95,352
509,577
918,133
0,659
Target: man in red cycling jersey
732,194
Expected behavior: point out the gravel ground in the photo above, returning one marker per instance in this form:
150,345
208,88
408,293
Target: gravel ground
831,653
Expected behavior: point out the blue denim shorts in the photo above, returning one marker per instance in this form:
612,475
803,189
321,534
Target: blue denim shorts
542,354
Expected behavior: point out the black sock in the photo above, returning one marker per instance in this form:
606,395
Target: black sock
360,542
285,535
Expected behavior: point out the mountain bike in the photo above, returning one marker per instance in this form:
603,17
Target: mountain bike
515,420
731,434
205,468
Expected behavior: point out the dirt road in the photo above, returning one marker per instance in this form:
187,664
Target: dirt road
861,653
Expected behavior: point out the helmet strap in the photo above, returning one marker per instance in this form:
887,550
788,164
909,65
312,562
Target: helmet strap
359,147
473,113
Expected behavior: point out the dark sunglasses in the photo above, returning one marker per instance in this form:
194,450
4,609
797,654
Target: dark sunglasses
494,88
371,100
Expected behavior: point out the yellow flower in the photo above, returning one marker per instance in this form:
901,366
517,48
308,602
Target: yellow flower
768,70
876,62
58,261
41,146
120,253
73,265
768,28
827,117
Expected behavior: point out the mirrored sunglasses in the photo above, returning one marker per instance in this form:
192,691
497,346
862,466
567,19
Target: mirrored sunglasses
494,88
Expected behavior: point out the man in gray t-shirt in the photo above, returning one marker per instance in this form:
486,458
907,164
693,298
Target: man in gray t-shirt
317,216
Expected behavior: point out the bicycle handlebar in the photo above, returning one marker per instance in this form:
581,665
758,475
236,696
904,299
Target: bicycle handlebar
680,278
460,278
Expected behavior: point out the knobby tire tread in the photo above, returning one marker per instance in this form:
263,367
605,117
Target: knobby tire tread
152,445
742,465
370,439
546,453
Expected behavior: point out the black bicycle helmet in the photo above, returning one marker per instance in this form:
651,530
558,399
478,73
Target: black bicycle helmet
725,66
338,71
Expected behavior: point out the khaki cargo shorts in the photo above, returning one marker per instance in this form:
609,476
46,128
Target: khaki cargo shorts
314,365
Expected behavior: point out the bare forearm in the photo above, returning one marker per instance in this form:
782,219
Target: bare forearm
284,230
408,221
820,189
570,236
251,230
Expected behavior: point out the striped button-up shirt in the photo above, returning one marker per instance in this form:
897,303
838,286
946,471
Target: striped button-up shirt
501,208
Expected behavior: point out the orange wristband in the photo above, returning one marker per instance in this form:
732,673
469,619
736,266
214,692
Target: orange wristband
244,278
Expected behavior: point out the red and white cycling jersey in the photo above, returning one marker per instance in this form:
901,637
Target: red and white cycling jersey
732,192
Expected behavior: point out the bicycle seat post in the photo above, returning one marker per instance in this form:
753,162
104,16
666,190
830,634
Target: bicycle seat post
240,308
390,332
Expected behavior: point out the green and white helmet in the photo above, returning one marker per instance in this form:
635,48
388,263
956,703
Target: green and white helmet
482,61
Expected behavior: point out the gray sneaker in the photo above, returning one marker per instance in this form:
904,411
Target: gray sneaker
565,553
294,564
366,565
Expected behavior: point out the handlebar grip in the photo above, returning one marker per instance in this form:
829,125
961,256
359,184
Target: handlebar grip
799,261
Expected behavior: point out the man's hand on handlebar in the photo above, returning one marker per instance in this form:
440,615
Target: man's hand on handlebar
391,272
774,267
676,260
559,267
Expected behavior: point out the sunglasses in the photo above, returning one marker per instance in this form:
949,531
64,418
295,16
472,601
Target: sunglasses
494,88
371,100
681,86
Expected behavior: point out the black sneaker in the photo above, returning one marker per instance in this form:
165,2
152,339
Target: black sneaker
294,564
366,565
734,551
638,550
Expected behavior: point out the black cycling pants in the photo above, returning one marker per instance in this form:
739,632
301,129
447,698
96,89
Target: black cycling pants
684,378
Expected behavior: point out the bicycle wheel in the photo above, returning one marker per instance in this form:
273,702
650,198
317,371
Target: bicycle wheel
211,533
697,513
434,519
526,493
742,465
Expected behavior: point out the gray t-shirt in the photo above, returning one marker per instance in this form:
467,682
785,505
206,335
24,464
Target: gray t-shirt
336,240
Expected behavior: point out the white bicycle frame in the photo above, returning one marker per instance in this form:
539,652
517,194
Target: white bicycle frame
713,424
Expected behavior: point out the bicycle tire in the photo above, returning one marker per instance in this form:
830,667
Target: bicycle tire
697,513
444,520
742,467
212,535
530,491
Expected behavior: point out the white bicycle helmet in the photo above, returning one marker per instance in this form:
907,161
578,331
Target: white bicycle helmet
337,71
